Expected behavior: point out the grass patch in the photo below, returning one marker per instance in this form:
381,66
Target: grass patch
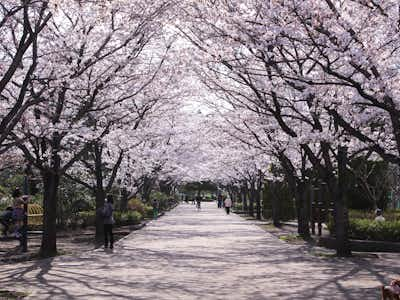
291,238
4,294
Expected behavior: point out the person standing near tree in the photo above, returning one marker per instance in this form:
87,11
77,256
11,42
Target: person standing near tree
18,211
108,221
6,219
228,205
155,208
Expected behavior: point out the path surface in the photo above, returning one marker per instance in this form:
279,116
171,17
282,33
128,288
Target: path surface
200,255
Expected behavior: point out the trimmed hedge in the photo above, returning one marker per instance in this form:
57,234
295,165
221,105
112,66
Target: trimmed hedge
367,229
127,218
88,218
390,215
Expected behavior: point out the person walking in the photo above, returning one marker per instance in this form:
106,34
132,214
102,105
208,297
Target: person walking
108,221
219,199
198,202
228,205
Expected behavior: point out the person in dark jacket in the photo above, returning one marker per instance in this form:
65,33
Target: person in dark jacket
6,219
108,221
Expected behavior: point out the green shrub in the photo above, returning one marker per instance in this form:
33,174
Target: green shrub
135,204
238,206
127,218
134,217
148,211
118,215
86,218
367,229
390,215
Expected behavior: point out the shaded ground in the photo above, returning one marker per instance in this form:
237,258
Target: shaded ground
68,242
205,254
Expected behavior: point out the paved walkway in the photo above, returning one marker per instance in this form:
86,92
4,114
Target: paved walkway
200,255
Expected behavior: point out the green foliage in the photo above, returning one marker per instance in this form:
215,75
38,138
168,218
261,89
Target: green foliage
127,218
148,211
390,215
363,227
286,209
238,206
118,217
135,204
134,217
158,196
86,218
366,229
375,176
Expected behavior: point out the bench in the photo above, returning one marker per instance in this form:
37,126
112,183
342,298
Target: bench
35,214
35,218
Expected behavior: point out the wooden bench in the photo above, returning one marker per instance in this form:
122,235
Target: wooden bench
35,214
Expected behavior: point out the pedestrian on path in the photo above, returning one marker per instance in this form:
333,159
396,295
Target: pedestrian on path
155,209
198,201
219,199
108,221
228,205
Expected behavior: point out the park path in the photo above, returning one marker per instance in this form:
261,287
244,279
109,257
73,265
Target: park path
189,254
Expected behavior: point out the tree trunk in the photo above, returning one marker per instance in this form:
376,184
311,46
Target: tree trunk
244,199
100,197
99,193
341,211
303,215
251,200
124,200
275,203
258,203
51,182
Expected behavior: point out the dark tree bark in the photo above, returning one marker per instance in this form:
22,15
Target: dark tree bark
341,210
273,186
124,200
244,198
252,198
51,181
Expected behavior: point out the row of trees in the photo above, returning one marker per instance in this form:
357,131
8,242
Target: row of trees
309,85
89,92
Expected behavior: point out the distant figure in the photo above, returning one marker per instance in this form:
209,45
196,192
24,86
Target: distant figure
6,219
155,209
186,199
18,212
108,221
198,201
228,205
378,216
219,200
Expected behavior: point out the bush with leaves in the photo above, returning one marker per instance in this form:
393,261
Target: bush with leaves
133,217
135,204
86,218
148,211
